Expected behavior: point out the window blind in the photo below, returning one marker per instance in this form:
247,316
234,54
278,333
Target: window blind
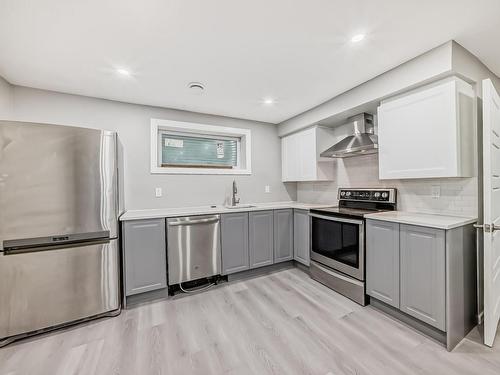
193,151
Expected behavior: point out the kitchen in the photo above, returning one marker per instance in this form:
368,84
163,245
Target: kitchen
343,225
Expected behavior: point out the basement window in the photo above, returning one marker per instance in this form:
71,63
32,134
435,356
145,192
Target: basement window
188,148
181,150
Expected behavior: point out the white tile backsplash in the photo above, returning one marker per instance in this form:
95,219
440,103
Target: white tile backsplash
458,196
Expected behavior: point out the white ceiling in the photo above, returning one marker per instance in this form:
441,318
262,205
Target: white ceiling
298,52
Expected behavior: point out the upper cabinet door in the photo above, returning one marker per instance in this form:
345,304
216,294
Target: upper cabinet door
289,158
428,132
307,154
300,155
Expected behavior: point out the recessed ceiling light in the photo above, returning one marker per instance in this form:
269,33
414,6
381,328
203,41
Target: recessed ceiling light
269,101
357,38
123,72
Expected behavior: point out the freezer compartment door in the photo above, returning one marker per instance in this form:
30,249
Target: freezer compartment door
56,180
43,289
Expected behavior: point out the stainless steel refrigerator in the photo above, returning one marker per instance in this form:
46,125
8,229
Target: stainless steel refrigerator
59,253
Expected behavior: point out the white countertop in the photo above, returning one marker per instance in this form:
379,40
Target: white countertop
426,220
206,210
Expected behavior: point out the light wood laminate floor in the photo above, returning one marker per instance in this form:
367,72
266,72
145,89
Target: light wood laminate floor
281,323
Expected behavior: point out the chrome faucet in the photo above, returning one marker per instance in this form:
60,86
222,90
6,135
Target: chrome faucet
234,200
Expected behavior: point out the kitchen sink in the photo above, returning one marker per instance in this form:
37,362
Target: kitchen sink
241,206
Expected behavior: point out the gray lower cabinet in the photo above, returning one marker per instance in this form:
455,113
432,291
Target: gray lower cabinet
144,247
283,235
382,261
261,238
422,252
234,241
301,240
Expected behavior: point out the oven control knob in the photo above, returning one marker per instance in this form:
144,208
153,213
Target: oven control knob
342,193
348,193
385,194
377,194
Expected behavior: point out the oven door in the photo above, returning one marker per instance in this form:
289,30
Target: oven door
339,243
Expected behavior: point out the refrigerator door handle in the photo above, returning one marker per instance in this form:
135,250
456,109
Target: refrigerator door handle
53,242
68,246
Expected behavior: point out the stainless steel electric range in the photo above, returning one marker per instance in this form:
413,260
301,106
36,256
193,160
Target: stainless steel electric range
338,239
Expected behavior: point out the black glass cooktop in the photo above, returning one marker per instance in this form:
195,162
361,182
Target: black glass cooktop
346,211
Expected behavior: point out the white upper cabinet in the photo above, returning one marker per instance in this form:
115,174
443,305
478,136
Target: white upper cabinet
428,132
300,160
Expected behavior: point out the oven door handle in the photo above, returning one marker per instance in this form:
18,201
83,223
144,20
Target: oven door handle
336,218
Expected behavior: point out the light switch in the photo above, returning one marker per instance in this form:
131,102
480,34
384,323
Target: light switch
158,192
435,191
267,189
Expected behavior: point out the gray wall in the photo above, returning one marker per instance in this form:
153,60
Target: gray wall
469,66
447,59
132,122
427,67
6,92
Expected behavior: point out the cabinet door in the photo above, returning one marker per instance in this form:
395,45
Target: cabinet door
234,236
301,237
307,161
145,254
420,134
300,155
289,158
283,235
261,238
423,274
382,261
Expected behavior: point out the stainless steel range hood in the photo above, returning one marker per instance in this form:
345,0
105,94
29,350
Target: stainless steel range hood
362,142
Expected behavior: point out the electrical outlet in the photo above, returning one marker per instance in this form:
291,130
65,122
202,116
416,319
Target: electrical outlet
267,189
435,191
158,192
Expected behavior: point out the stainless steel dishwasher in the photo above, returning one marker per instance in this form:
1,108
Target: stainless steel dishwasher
194,250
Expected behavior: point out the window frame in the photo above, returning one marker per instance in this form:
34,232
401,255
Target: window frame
244,158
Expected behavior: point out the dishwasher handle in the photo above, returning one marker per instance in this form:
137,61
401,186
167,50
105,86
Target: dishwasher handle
178,222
